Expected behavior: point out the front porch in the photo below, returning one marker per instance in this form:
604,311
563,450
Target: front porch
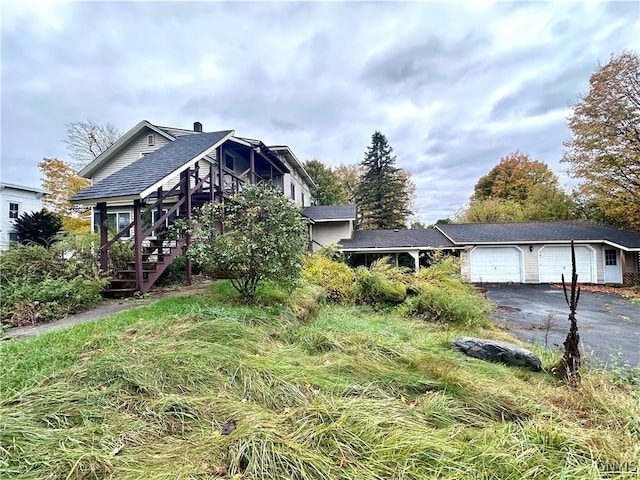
166,185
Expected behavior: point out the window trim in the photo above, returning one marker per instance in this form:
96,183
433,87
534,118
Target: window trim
293,191
14,213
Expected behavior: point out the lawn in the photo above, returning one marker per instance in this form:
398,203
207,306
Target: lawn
205,387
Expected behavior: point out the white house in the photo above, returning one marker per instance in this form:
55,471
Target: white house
153,174
14,201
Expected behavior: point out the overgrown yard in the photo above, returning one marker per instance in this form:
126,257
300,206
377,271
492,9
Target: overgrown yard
203,387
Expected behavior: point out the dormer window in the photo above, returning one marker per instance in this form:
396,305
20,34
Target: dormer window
151,140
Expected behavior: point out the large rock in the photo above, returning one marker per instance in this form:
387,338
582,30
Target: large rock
502,352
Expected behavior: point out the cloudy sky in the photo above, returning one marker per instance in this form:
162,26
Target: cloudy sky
454,86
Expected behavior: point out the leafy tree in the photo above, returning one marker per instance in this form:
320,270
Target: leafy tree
87,140
61,181
382,196
604,150
329,190
490,210
517,189
514,178
349,177
38,227
257,235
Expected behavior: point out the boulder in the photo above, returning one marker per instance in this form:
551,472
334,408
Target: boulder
494,351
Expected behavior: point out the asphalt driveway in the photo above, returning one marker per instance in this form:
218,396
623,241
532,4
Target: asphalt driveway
609,325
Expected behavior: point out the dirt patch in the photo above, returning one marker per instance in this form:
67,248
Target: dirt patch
508,309
621,291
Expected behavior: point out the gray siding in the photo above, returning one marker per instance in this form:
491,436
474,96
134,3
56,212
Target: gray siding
132,153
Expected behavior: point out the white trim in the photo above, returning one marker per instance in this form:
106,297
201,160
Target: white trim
592,261
89,170
484,247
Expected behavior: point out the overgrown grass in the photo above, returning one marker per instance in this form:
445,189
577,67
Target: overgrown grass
352,393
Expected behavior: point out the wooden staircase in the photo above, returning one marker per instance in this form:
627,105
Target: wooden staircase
157,255
154,249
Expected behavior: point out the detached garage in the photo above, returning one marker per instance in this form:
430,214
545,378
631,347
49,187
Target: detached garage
495,265
554,261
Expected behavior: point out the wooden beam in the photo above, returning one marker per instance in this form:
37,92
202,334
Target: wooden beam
212,182
252,167
188,215
104,236
220,173
137,242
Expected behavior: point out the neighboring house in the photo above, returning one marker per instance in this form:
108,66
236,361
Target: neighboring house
528,252
153,174
14,201
329,224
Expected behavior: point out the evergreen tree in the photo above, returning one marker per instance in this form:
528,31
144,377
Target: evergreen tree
38,227
382,197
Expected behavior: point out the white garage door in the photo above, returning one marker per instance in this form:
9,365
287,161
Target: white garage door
496,264
554,261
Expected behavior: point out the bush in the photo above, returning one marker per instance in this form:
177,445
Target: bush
336,278
442,297
381,284
43,284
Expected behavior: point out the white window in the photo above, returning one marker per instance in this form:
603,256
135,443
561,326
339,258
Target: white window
151,140
115,222
14,210
154,219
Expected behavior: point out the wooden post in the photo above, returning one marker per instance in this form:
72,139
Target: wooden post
188,215
137,241
212,182
623,264
104,236
220,173
159,208
252,167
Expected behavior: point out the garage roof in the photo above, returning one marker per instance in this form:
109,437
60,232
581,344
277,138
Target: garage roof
537,232
323,213
414,238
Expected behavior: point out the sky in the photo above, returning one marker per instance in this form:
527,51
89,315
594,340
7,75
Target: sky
454,86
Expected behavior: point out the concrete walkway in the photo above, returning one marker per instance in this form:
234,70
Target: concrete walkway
102,310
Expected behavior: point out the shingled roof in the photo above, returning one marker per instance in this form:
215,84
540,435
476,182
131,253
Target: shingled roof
538,232
396,239
325,213
153,168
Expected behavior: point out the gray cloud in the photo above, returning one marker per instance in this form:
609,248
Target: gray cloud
454,86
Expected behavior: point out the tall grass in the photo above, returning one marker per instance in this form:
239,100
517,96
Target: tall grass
352,393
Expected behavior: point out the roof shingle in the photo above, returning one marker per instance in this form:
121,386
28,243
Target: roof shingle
577,230
330,212
152,168
414,238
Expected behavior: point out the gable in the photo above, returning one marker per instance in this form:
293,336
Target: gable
150,171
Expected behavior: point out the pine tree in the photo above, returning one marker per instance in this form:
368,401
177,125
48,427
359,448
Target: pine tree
382,197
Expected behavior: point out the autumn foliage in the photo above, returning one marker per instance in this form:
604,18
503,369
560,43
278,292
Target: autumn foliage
604,151
61,181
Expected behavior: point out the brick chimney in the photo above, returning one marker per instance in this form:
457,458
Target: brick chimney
197,127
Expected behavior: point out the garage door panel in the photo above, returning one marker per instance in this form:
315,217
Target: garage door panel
556,261
496,264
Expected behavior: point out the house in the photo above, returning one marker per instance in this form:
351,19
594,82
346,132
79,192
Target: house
329,224
154,174
527,252
14,201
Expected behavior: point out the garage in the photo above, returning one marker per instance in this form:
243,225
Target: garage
554,261
496,264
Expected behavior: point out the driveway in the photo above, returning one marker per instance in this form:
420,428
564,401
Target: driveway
609,325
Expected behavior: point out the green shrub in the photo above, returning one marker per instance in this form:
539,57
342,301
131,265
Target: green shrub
335,277
43,284
442,297
381,284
